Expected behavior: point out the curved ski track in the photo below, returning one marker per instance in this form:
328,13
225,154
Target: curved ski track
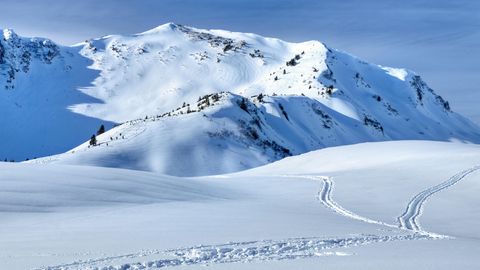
325,197
409,219
293,248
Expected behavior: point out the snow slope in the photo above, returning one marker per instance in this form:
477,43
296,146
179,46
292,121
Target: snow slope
38,84
331,97
226,133
336,207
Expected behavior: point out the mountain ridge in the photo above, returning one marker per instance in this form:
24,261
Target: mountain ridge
325,92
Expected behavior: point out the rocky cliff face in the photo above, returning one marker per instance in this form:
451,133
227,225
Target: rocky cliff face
17,55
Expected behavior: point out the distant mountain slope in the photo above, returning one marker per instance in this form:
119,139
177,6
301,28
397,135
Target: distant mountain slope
38,84
226,132
314,97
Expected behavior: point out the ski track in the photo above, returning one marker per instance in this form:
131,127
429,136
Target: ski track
325,197
409,219
265,250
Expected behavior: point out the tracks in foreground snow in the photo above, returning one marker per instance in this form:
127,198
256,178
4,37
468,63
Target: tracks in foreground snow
325,197
293,248
409,219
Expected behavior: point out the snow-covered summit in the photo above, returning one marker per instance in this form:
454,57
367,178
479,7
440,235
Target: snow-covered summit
9,34
39,80
174,62
311,96
170,26
18,54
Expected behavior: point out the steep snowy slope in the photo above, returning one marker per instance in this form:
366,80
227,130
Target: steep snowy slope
38,83
226,132
315,97
152,72
339,207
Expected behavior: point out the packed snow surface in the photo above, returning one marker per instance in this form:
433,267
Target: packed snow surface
371,204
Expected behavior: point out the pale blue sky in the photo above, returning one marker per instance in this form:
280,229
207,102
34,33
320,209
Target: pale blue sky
438,39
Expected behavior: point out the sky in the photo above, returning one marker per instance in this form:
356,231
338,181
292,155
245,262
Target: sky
438,39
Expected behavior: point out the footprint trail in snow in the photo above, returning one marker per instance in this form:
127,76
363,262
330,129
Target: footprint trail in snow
264,250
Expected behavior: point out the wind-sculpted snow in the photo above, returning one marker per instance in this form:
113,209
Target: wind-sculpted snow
59,187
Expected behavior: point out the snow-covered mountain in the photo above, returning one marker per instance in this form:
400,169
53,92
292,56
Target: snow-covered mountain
188,102
39,81
226,132
195,102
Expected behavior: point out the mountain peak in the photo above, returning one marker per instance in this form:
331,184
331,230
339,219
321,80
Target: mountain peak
9,34
322,96
170,26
